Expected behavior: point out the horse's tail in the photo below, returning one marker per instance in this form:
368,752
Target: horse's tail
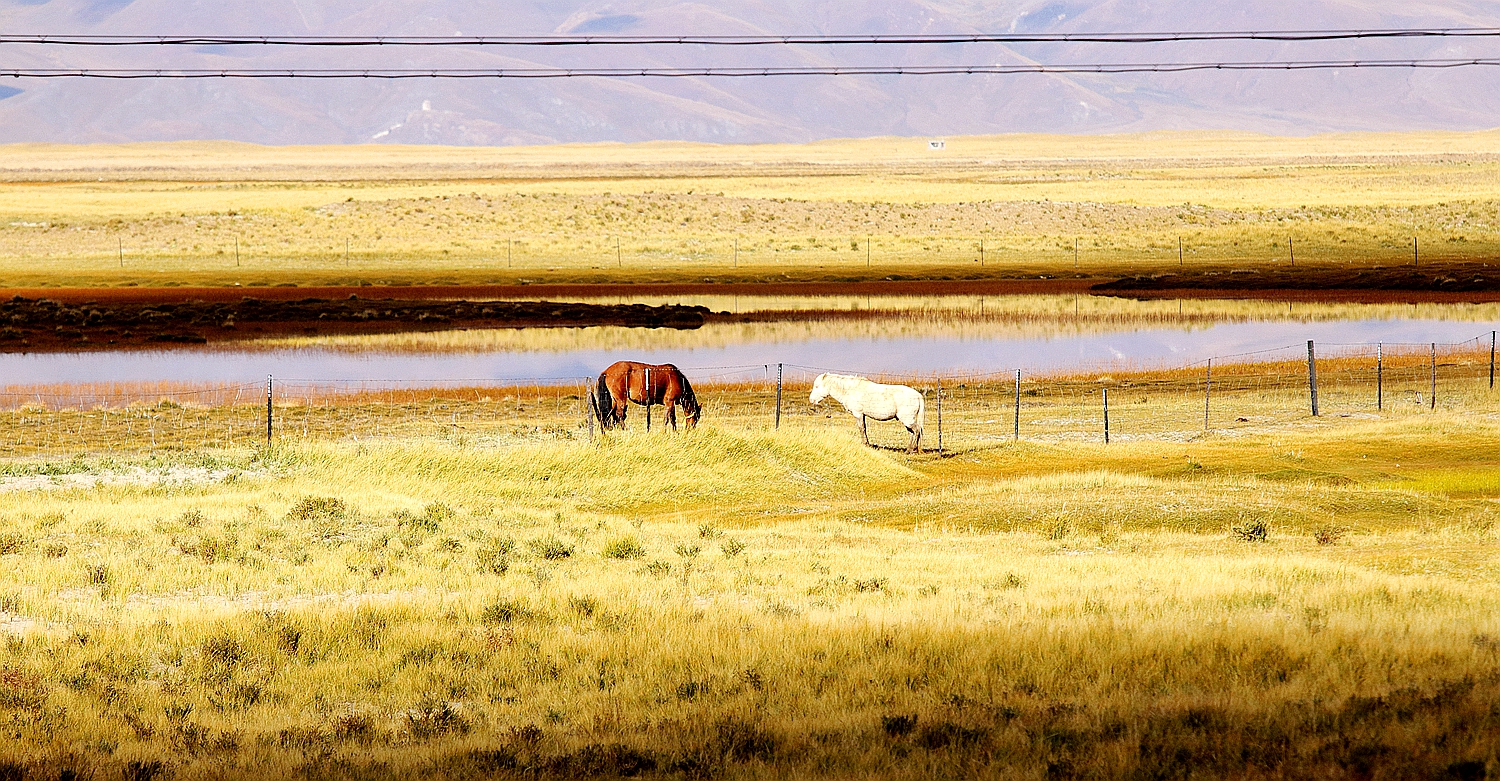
921,418
604,403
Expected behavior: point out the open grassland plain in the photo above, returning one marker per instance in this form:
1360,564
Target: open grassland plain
1299,598
1008,206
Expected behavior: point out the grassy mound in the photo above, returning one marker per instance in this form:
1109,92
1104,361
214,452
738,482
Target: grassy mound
629,471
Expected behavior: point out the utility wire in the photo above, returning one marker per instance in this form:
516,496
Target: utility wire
711,72
744,40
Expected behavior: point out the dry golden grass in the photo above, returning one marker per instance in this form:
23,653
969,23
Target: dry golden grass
663,211
459,583
747,603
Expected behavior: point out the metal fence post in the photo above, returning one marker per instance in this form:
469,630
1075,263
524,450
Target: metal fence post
648,401
1312,377
1492,360
268,410
940,415
778,396
591,409
1432,402
1106,415
1018,405
1379,377
1208,381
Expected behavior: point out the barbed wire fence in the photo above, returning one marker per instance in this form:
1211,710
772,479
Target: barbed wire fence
1225,395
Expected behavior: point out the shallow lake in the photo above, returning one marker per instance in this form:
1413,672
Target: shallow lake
916,337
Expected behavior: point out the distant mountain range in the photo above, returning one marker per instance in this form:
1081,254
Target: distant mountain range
493,112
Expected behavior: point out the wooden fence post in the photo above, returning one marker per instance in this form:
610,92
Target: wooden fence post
1312,377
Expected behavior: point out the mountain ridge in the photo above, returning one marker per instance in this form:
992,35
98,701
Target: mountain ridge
791,109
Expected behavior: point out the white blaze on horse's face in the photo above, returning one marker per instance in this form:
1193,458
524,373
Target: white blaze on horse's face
818,391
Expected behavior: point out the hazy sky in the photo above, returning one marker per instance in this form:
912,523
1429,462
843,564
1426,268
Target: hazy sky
509,111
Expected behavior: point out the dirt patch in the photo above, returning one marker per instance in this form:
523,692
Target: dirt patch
137,476
54,325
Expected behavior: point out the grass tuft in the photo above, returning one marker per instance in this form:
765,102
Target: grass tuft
625,547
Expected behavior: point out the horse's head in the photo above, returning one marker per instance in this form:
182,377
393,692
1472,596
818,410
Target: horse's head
819,392
691,409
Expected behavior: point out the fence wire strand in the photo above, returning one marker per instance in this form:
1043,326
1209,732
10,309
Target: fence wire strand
1226,394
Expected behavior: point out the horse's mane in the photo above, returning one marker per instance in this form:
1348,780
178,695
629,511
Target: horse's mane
843,379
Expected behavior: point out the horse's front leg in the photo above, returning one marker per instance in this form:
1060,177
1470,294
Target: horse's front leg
671,415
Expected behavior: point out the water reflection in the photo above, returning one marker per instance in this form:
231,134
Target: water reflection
913,353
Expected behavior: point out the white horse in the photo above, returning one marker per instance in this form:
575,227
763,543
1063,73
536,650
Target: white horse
866,400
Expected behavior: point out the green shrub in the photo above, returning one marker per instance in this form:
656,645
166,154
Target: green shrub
1252,531
551,548
505,611
318,508
627,547
493,560
326,514
414,524
439,513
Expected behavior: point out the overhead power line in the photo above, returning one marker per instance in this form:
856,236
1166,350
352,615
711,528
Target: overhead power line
743,40
872,70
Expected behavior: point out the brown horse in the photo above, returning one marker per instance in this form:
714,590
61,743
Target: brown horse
644,384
